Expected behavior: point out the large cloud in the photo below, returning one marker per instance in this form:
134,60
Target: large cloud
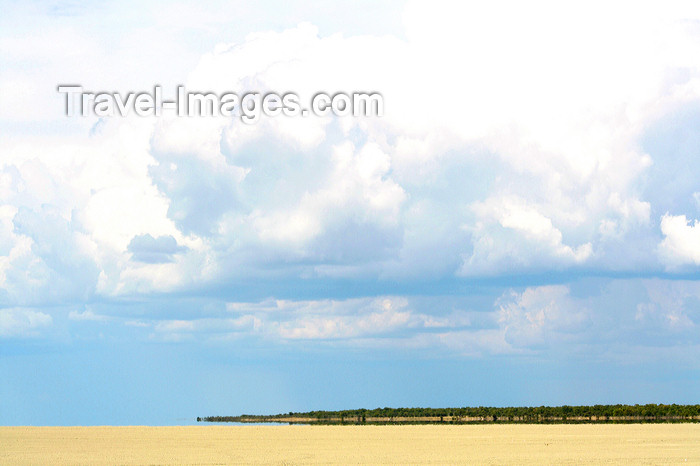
512,143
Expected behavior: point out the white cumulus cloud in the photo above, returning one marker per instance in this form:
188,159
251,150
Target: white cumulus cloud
681,243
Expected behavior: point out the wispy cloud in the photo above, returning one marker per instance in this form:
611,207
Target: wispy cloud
22,322
87,315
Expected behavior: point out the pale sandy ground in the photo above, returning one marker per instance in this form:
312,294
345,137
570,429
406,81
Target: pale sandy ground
474,444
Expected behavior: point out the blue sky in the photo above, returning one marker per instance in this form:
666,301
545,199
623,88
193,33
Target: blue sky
521,227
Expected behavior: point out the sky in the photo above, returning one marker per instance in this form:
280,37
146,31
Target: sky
520,227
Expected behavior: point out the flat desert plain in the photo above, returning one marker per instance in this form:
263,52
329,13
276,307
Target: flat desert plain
412,444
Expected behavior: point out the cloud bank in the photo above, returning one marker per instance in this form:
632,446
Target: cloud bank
513,144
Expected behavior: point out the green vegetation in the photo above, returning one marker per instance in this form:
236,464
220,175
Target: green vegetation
529,415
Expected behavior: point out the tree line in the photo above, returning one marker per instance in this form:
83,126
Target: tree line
531,414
